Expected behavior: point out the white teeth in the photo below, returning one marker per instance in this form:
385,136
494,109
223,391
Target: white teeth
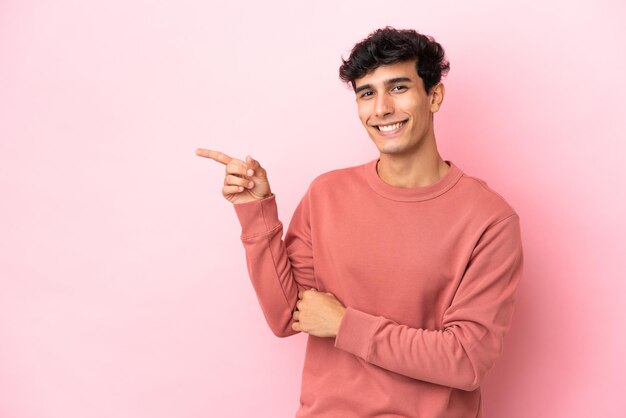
388,128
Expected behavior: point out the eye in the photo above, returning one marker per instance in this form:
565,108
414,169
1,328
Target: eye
399,88
366,94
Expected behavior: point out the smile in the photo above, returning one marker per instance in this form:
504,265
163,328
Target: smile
391,127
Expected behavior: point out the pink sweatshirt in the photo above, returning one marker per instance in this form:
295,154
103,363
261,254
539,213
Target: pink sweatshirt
428,276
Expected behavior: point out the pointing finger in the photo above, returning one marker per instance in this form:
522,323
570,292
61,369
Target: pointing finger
220,157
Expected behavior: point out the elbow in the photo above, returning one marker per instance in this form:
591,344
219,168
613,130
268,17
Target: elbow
470,385
283,333
467,380
473,378
282,330
470,370
473,365
279,323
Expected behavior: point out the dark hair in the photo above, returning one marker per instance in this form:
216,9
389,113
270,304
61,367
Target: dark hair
389,46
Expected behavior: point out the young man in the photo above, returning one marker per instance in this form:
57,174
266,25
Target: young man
402,270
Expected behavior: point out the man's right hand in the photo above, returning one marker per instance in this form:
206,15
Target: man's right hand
245,181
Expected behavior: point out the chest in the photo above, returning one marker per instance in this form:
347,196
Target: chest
403,263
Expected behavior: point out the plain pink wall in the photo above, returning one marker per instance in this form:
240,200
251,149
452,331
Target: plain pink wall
124,289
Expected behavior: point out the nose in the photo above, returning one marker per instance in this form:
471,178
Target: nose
384,105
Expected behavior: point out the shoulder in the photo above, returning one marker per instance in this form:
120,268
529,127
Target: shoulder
483,200
338,177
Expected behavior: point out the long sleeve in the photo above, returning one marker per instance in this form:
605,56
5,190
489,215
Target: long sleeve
462,352
278,269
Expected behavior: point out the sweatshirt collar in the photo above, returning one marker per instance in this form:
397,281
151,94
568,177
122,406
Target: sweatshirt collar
411,194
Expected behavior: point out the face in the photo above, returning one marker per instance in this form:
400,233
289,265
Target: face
395,109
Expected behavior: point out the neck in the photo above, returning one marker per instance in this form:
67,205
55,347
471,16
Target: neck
410,171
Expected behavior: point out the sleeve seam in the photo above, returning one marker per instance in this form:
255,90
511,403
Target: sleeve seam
503,219
277,275
263,215
269,232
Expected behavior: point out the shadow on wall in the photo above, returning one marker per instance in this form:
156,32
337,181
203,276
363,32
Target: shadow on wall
466,134
538,358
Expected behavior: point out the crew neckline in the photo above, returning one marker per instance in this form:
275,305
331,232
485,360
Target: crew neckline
411,194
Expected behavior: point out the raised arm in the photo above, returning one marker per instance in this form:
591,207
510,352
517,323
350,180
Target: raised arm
278,269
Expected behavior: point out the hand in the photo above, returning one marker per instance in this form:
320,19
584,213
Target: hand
244,181
318,313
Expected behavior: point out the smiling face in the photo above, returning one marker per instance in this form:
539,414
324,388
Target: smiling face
395,109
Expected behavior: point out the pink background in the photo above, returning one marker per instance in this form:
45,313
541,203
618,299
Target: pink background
124,289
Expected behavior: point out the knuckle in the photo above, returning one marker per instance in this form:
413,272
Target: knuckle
232,166
234,180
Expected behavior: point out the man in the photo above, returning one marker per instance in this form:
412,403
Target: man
402,270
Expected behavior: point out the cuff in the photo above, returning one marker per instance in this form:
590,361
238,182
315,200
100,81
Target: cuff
257,217
356,331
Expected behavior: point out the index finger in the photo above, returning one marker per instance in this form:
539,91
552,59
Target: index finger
220,157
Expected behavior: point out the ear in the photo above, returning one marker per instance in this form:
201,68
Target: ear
436,97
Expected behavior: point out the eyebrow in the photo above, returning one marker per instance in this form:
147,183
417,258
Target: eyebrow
387,82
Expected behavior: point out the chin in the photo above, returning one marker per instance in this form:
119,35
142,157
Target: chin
390,147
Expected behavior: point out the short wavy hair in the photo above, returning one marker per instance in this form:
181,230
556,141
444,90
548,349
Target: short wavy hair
388,46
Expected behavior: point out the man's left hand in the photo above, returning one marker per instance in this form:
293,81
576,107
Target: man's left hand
318,313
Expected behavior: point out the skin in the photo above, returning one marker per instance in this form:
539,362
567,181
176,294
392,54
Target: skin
244,181
408,158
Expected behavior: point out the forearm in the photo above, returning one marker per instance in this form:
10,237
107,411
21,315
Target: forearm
470,338
436,356
271,275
